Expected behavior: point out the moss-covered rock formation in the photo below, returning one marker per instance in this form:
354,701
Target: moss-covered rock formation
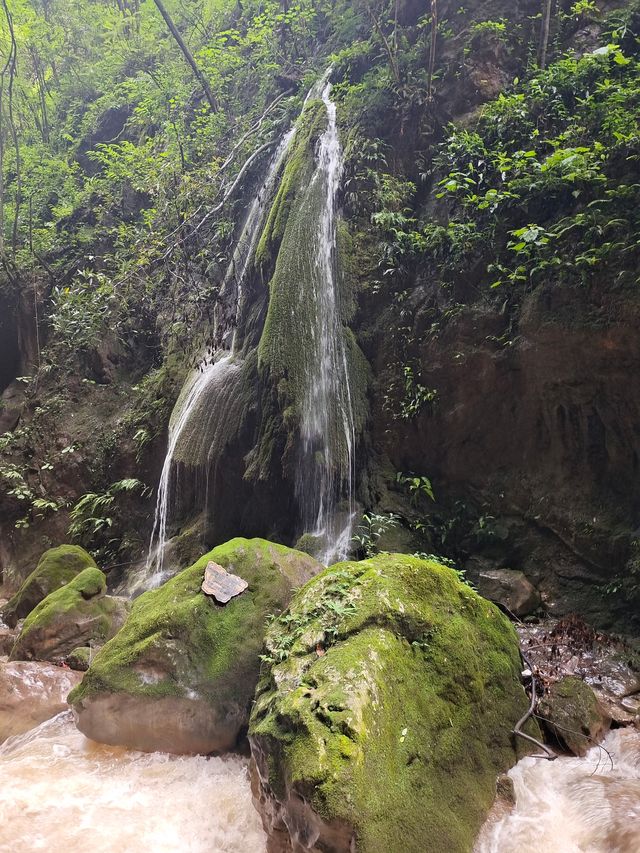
74,615
181,674
56,567
573,715
385,711
290,248
79,659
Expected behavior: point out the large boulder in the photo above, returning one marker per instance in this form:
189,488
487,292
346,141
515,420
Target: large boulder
572,713
510,588
56,567
180,675
30,693
384,712
77,614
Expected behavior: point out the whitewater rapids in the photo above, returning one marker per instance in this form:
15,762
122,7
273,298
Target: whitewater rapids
573,805
62,793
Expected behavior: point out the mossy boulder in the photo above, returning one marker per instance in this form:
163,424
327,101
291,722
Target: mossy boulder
385,711
79,659
572,713
76,614
56,567
181,674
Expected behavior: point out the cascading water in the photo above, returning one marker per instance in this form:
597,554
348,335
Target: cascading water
573,805
325,470
205,386
60,791
324,476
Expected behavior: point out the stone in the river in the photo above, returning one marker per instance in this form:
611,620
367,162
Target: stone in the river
385,711
510,588
181,674
573,714
7,639
74,615
56,567
30,693
80,658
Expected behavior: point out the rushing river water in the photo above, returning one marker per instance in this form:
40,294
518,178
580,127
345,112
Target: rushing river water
573,805
62,793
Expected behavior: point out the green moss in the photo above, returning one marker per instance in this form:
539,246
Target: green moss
56,567
79,658
288,348
573,714
402,723
297,173
87,585
178,641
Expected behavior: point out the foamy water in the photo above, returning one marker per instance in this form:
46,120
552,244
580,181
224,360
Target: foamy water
62,793
574,805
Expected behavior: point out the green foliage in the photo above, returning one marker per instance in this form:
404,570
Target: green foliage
83,311
95,514
418,486
330,608
415,396
561,147
371,528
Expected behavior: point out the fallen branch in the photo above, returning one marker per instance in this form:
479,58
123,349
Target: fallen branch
550,755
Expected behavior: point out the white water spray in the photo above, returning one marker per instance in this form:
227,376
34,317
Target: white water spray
573,805
60,791
209,378
325,473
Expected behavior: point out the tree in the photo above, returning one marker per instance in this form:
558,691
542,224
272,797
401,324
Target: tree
544,34
213,103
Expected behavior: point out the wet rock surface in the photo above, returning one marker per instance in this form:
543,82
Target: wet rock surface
30,693
56,567
571,712
509,588
385,711
570,647
74,615
180,675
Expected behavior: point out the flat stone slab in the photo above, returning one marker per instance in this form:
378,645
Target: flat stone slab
220,584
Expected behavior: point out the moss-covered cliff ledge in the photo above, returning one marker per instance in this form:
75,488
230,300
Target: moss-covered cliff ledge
385,710
180,675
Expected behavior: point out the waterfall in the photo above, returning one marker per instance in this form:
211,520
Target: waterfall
325,470
198,398
200,424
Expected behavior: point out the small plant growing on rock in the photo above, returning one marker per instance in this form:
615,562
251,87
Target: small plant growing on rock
372,527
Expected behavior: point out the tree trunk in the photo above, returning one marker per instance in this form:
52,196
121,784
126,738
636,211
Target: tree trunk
544,35
188,55
432,52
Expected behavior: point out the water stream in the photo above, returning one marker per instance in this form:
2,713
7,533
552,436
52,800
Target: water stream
325,470
62,792
573,805
199,397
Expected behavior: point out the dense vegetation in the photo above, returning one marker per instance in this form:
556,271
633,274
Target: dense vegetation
488,150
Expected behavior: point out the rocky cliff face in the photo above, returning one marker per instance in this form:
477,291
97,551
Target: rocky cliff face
533,442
